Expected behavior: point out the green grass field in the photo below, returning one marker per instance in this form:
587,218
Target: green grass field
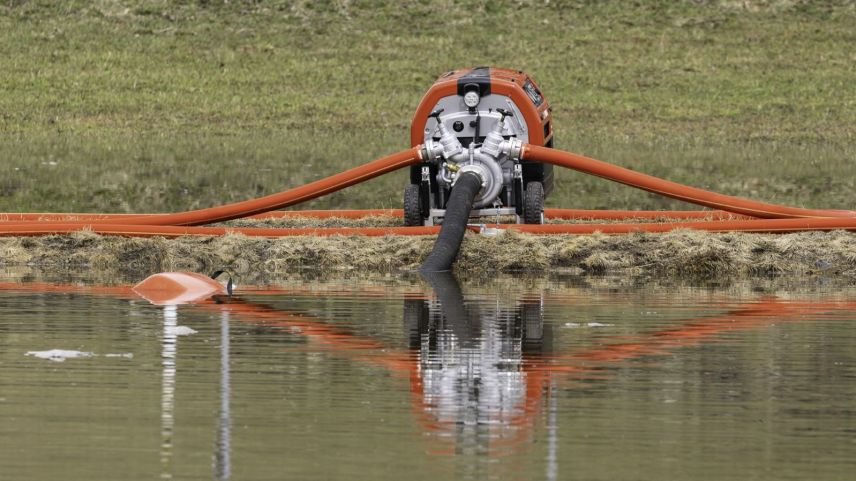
133,105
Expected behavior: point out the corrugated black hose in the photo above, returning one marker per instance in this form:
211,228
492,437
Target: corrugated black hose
454,224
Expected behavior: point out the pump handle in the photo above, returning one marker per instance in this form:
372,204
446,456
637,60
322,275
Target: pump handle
436,114
504,113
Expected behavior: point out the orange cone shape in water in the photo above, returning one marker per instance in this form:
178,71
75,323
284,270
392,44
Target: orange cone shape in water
167,288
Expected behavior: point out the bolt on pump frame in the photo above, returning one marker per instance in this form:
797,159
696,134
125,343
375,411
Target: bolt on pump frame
473,120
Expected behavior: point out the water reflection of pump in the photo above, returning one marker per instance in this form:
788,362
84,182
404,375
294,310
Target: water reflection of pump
523,321
475,385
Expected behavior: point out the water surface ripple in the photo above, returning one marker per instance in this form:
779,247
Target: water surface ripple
429,379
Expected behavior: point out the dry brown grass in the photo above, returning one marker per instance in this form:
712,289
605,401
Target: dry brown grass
680,254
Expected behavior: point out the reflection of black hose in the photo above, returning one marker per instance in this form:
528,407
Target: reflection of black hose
454,224
451,299
448,292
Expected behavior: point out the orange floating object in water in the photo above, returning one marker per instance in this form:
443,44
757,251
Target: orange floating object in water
170,288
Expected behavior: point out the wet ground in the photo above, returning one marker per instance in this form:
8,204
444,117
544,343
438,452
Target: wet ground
408,378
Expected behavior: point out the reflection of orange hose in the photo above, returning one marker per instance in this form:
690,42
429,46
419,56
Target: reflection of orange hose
339,341
537,369
761,313
672,189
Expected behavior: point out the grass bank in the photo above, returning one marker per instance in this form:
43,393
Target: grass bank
680,254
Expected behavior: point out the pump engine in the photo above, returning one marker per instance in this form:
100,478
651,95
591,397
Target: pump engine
475,120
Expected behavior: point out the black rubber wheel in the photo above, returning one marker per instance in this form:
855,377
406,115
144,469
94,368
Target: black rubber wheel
412,206
533,203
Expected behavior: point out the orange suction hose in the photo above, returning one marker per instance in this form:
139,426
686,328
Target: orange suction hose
53,228
281,199
276,214
60,216
756,225
672,189
237,210
737,215
641,214
595,214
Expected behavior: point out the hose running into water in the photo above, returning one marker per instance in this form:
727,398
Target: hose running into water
454,226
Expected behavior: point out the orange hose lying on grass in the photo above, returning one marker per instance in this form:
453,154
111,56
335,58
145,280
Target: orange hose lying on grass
361,213
279,200
757,225
736,214
50,228
60,216
641,214
672,189
276,214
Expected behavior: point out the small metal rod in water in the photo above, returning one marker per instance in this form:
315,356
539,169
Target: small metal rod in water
223,443
168,354
552,436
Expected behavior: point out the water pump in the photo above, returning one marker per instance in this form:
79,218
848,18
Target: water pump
476,120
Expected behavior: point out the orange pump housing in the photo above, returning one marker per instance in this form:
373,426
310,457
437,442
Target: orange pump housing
473,102
514,84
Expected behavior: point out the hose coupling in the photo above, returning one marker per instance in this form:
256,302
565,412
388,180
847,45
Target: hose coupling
431,151
448,147
512,148
478,169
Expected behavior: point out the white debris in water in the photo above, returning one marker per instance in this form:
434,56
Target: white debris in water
180,331
576,325
59,355
126,355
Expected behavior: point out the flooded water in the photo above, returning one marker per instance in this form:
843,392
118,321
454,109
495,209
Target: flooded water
429,379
